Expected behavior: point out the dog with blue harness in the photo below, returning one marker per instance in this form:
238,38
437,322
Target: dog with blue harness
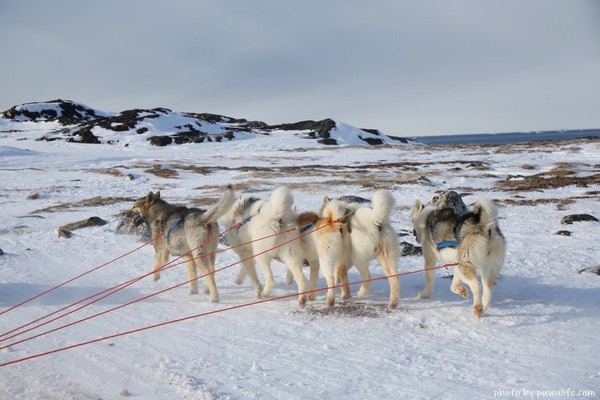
471,239
190,233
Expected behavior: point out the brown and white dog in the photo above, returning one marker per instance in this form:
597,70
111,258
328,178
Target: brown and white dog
356,233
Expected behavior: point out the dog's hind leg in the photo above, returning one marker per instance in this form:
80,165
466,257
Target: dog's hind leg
341,276
457,287
241,277
264,262
489,279
430,260
207,266
250,270
365,276
192,274
388,261
329,277
295,265
314,278
289,278
468,274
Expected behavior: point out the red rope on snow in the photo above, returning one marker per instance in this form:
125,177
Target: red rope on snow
210,313
77,277
129,283
114,289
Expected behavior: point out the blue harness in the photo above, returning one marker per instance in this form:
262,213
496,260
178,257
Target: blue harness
447,243
306,227
177,221
244,222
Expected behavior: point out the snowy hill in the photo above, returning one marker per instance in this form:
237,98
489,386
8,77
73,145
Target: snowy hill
75,122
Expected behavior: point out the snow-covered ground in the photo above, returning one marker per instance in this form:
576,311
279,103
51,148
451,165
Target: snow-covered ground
538,340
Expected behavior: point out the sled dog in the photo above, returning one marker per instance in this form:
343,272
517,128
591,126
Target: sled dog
473,240
188,232
262,237
371,237
333,245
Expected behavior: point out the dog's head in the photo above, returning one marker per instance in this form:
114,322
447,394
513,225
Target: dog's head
142,206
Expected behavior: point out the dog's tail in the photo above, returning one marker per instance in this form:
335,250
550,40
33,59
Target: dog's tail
486,209
223,205
383,203
279,205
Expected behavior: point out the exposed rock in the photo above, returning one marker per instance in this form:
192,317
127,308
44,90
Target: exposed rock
64,111
450,199
563,233
479,165
1,252
594,270
569,219
132,224
318,128
424,181
166,127
354,199
410,250
65,230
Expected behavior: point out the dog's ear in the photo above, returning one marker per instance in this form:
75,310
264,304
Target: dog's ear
152,197
417,207
325,200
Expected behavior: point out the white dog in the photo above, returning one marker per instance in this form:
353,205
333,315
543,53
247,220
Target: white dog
332,243
353,233
259,239
473,240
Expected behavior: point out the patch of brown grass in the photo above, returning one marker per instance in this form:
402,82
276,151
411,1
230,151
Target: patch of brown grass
561,204
541,182
91,202
108,171
159,171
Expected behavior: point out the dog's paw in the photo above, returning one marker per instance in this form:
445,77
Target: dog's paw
193,291
392,304
461,291
312,296
346,296
239,281
206,290
155,277
330,302
362,292
423,295
215,299
302,301
478,310
289,280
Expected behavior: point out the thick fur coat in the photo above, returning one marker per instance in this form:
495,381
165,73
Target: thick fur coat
190,233
479,248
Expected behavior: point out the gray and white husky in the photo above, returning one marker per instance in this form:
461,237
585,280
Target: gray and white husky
188,232
473,240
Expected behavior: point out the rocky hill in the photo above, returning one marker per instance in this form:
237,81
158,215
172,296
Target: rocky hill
75,122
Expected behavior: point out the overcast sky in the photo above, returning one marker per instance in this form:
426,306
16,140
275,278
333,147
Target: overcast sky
405,67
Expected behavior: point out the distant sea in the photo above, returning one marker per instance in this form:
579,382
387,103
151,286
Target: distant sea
505,138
